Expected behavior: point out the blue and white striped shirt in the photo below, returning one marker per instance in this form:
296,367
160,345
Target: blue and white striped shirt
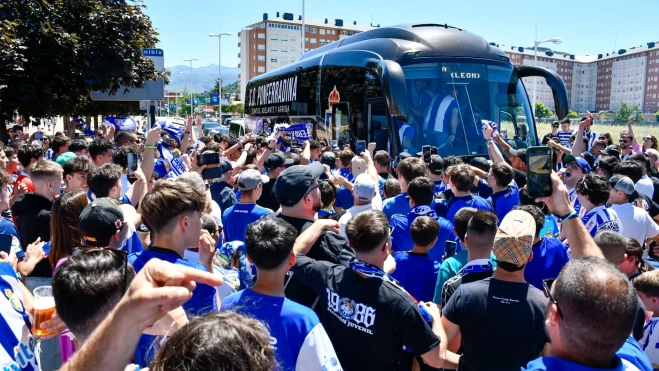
592,137
601,219
564,137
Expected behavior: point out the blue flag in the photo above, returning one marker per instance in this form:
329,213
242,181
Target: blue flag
174,131
215,99
173,165
122,123
82,125
187,101
172,107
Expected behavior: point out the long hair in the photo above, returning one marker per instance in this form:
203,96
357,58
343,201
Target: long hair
635,250
65,235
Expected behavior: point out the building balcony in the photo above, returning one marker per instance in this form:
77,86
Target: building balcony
238,55
239,44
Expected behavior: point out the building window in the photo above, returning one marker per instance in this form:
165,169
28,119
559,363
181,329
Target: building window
273,60
313,41
284,59
306,39
261,36
292,48
284,49
261,47
333,32
284,38
313,30
322,31
261,58
273,37
261,69
322,42
306,29
273,48
293,39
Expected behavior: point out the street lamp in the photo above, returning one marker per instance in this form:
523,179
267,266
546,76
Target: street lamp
191,87
555,40
219,39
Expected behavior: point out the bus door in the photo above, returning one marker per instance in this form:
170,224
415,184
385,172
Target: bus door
340,133
378,127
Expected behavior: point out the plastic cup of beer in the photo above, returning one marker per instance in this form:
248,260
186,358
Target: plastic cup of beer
44,307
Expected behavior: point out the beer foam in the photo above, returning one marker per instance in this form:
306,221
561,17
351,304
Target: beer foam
43,303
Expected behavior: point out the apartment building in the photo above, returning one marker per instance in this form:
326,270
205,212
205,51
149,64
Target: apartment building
273,43
597,83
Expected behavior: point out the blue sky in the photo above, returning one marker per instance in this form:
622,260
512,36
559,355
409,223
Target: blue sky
587,26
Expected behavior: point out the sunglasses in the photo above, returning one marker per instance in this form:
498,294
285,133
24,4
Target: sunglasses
546,285
624,141
574,166
117,254
602,138
647,138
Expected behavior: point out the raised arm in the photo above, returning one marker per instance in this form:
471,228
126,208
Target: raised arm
493,150
578,147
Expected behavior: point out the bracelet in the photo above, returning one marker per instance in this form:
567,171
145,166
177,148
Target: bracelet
566,217
488,141
187,132
150,147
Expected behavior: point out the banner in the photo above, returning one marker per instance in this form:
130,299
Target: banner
122,123
82,125
172,107
201,100
187,101
174,131
298,132
215,99
195,101
173,165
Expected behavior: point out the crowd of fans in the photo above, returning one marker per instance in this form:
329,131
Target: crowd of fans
173,252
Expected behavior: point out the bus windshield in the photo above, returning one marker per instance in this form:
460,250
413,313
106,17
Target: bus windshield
448,100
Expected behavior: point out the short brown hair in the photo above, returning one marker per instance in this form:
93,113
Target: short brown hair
44,169
462,177
411,168
424,230
648,283
392,188
368,230
169,199
346,156
382,158
503,173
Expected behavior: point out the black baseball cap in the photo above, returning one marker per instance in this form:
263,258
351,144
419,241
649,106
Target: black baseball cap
293,183
329,159
611,151
404,155
521,153
480,163
589,158
276,160
99,221
436,164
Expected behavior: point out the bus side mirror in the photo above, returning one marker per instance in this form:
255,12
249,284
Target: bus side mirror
554,81
394,88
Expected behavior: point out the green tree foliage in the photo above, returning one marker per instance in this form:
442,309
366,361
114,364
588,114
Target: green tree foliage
656,115
621,116
54,53
541,111
572,115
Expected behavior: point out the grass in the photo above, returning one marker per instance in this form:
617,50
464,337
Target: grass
639,130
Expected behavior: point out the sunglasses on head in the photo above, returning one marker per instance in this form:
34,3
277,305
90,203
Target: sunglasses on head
647,138
116,253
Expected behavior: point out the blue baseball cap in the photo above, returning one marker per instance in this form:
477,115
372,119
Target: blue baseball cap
583,164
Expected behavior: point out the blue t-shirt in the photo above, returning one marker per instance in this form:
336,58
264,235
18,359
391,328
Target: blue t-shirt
296,334
504,201
417,273
396,205
381,182
458,202
549,257
7,227
222,193
132,244
483,189
238,217
440,187
631,351
344,198
203,298
401,240
346,173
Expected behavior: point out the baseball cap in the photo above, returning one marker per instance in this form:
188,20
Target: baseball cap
64,157
583,164
329,159
589,158
404,155
250,179
99,221
17,128
480,163
358,165
611,151
364,187
436,164
293,183
622,183
275,160
521,153
514,239
555,124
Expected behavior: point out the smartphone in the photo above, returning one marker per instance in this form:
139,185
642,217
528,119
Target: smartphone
449,249
538,171
38,135
209,158
426,150
434,151
396,162
361,147
5,243
132,162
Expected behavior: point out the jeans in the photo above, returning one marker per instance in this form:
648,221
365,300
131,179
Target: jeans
49,358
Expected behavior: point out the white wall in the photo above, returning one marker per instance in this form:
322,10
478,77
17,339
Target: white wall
245,46
584,87
543,90
628,81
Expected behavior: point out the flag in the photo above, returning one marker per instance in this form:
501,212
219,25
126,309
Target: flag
174,131
187,101
82,125
215,99
173,165
122,123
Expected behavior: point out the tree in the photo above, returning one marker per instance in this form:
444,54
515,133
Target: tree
621,116
59,51
572,115
541,111
216,87
656,115
240,108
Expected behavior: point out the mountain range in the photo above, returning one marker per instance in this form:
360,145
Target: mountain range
203,78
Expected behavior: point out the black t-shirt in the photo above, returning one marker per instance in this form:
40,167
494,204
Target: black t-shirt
502,324
268,199
330,247
646,202
547,137
453,283
368,320
520,178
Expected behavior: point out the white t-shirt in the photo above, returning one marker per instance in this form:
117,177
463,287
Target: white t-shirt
645,186
636,222
351,213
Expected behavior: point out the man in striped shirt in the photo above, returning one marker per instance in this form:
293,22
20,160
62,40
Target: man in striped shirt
593,193
588,134
575,169
565,133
